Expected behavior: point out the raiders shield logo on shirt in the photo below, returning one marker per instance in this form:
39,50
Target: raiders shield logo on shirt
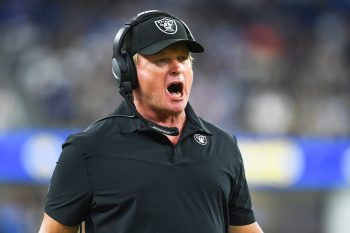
201,139
166,25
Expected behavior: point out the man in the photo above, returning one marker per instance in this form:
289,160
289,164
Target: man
153,166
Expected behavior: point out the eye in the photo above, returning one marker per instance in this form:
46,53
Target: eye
161,61
182,58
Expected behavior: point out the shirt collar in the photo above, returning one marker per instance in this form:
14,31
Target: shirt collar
194,123
128,122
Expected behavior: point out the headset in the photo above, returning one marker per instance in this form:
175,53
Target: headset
123,67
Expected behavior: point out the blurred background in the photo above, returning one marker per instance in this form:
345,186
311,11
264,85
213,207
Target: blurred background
275,72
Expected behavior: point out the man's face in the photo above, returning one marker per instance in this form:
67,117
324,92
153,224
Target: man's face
165,81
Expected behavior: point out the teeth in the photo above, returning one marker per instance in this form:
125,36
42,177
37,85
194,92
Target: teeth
175,93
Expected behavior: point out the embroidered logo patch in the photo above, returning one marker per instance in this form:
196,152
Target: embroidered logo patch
166,25
201,139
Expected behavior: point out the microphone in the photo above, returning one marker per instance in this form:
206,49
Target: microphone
171,131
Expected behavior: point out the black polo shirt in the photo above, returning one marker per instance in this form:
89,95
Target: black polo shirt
121,177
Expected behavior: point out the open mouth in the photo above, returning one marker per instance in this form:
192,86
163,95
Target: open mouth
175,89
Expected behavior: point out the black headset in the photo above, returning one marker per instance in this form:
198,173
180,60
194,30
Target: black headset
123,67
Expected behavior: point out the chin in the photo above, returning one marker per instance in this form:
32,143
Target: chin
176,110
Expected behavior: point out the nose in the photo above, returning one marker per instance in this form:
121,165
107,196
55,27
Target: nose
176,67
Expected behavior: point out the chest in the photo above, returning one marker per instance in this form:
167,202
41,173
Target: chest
152,170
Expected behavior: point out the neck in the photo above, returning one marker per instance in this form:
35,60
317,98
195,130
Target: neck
167,120
172,131
163,118
171,121
177,121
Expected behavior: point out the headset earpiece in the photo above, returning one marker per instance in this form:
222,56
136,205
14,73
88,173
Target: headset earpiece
129,83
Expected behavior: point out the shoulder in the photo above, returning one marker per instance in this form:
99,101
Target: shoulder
224,142
94,134
219,133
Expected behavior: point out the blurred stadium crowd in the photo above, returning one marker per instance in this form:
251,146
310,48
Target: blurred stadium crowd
275,67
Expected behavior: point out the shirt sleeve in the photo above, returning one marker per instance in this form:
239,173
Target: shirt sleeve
69,195
240,206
